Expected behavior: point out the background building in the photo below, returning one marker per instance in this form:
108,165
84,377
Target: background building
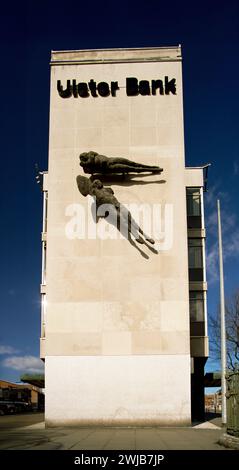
213,402
20,397
123,326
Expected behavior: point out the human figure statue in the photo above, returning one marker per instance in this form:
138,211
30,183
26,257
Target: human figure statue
92,162
122,215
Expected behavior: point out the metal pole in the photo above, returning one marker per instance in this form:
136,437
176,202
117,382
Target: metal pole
223,327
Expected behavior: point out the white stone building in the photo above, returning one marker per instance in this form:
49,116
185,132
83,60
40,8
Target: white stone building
124,334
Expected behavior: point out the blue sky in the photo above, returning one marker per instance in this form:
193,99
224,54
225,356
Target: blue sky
208,32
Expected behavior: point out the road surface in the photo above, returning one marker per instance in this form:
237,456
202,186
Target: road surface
20,420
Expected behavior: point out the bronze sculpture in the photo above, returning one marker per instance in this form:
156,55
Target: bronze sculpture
125,223
92,162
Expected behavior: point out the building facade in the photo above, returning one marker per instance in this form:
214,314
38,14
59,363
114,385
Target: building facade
123,323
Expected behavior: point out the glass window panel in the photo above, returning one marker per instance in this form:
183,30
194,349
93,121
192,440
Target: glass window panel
196,306
195,257
195,241
193,201
193,190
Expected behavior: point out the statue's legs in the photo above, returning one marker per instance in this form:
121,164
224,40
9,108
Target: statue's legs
128,226
125,168
125,161
135,229
149,239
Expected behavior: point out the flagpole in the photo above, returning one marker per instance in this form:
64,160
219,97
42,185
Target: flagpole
223,327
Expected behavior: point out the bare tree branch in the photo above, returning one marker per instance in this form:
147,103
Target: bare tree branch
232,332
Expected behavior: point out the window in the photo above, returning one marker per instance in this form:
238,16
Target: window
196,299
193,202
195,258
194,218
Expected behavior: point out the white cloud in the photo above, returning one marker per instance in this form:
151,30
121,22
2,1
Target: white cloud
211,222
30,364
212,263
228,222
230,229
7,349
230,249
213,194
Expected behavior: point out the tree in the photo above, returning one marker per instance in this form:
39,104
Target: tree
232,332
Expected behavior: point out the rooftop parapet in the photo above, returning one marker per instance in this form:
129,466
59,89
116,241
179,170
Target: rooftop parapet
146,54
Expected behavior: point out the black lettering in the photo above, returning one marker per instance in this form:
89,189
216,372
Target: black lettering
170,86
103,89
83,90
144,88
113,87
92,87
132,88
64,93
157,84
74,89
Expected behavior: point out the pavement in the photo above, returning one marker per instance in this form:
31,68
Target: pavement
20,420
200,436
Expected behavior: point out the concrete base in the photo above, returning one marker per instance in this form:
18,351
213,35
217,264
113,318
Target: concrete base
229,441
118,390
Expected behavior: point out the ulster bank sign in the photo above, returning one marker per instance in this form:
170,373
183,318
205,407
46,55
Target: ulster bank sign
133,87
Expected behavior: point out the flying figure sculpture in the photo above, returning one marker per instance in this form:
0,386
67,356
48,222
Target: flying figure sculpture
92,162
113,209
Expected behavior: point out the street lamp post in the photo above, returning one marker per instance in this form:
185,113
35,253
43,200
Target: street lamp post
223,327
